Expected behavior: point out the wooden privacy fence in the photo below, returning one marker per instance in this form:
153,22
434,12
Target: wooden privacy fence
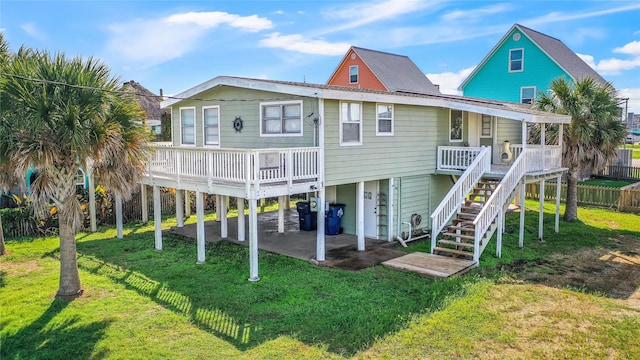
625,199
620,172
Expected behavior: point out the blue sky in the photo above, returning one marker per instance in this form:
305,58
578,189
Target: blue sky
175,45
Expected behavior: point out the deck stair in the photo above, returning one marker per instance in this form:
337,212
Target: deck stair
458,238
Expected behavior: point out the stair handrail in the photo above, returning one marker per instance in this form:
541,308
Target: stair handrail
494,205
452,202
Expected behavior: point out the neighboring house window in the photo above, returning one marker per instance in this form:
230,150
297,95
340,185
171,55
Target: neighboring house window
487,126
384,123
455,125
516,60
211,119
187,126
350,123
527,94
284,118
80,179
353,74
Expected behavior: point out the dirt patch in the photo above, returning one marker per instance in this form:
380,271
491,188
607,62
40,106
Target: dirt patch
349,258
613,271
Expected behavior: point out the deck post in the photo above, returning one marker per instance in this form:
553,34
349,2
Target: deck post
241,218
200,236
541,214
253,240
558,193
92,201
320,231
119,215
522,210
281,214
222,211
187,204
390,210
218,202
179,208
499,235
360,215
157,217
145,204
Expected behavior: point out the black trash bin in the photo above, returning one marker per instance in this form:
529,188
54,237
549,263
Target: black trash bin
333,219
308,219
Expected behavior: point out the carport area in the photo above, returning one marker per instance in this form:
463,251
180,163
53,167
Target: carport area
341,249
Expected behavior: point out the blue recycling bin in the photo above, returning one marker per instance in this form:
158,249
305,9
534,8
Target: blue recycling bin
333,219
308,219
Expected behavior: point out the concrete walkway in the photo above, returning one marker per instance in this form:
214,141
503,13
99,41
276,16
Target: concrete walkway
341,250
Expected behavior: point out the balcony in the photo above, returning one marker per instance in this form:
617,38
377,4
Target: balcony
247,173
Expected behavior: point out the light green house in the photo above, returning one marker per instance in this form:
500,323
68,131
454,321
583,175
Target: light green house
391,158
522,64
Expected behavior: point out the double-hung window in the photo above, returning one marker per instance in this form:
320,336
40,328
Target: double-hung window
353,74
384,119
350,123
527,94
516,60
211,120
487,126
282,118
188,126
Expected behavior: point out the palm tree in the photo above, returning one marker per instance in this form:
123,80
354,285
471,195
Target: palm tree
594,134
71,114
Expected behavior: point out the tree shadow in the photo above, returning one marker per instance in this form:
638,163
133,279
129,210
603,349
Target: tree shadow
294,298
44,339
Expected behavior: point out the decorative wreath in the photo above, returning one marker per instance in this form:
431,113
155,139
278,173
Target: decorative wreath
237,124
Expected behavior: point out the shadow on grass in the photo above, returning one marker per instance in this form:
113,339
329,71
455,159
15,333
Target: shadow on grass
342,311
48,339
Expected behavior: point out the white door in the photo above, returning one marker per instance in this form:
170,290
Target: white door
371,209
474,130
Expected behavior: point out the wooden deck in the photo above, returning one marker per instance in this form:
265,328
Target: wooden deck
433,266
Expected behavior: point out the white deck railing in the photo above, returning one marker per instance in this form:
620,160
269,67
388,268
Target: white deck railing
242,166
452,202
456,157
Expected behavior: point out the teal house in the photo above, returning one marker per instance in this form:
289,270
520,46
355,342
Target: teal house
522,64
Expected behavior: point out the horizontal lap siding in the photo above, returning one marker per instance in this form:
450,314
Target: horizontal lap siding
243,103
410,151
415,199
509,130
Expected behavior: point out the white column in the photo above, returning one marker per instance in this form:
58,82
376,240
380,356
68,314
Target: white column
521,235
144,203
360,215
224,233
218,205
157,217
241,218
558,193
200,236
179,208
320,235
92,202
390,211
499,236
543,142
253,240
187,204
281,214
541,215
119,215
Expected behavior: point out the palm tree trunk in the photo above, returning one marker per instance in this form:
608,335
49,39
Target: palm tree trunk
69,275
3,249
571,209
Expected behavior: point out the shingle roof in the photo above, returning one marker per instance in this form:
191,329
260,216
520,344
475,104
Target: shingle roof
396,72
560,53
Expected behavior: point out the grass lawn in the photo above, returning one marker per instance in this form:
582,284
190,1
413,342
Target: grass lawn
606,183
635,148
536,302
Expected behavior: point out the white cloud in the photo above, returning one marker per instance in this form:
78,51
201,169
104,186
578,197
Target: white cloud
611,66
634,98
279,12
632,48
478,13
449,81
32,30
143,43
590,60
301,44
559,16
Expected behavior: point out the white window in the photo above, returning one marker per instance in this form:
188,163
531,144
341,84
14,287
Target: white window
350,123
487,126
527,94
282,118
384,119
516,60
353,74
211,122
455,125
188,126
